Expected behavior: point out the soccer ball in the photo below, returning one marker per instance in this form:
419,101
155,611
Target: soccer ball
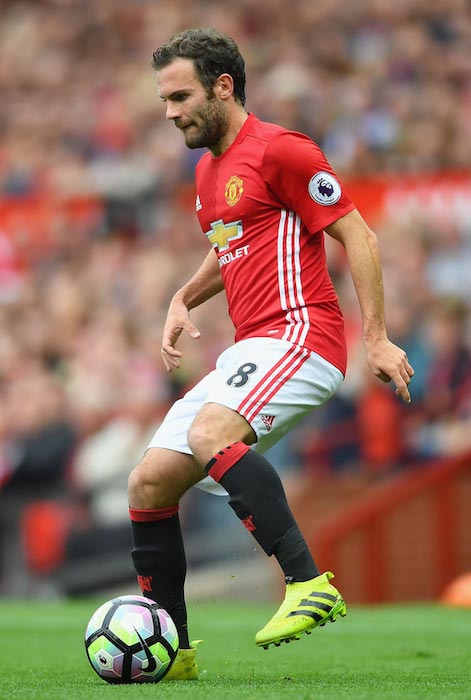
131,639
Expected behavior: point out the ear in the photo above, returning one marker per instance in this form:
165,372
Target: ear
224,86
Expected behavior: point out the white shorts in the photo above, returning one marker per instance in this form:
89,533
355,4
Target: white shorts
271,382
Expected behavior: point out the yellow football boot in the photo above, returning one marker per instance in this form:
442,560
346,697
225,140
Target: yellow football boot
307,605
185,668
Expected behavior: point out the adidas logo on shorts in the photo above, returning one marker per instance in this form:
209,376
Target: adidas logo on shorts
268,421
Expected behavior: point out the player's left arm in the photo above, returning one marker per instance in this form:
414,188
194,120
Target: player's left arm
386,360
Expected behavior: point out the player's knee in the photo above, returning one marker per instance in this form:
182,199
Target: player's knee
139,488
147,487
202,440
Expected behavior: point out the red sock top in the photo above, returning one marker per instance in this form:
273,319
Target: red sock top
225,459
148,515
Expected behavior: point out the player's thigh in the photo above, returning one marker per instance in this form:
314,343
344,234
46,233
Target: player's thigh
214,427
172,434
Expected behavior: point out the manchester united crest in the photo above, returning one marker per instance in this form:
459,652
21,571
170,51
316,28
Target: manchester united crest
234,190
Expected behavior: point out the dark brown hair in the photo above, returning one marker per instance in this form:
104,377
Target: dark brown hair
212,53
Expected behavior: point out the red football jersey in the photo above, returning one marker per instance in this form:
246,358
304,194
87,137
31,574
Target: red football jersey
263,204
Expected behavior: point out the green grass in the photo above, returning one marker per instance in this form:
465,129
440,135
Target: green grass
378,653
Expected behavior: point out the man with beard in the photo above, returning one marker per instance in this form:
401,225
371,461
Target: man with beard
265,196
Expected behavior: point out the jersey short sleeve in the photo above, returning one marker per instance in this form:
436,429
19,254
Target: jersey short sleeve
298,174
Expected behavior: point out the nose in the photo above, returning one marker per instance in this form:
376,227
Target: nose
172,110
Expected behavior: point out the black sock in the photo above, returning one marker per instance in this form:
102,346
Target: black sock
159,559
257,496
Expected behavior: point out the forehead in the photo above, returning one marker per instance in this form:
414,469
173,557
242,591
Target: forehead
178,75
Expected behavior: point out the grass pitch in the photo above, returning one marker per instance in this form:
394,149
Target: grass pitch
380,653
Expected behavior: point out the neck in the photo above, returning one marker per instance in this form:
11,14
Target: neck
236,121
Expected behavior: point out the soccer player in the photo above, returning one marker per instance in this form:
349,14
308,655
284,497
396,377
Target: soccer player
265,196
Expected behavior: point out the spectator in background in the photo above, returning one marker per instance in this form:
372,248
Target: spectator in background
444,423
41,438
36,451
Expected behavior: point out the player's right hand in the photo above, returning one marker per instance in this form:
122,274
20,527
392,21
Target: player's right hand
178,320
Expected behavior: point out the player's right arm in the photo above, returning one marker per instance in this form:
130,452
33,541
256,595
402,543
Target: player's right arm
205,283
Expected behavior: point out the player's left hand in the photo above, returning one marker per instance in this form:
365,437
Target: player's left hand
389,363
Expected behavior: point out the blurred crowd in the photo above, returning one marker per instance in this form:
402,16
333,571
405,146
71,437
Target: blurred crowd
379,85
383,87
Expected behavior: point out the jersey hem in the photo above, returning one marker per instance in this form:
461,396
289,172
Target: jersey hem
342,367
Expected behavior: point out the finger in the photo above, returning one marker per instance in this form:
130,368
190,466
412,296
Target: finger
405,396
166,361
171,358
170,350
171,364
410,369
168,366
402,390
192,330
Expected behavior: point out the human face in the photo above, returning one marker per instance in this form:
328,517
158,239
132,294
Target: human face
202,119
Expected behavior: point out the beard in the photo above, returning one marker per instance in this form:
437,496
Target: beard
208,126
